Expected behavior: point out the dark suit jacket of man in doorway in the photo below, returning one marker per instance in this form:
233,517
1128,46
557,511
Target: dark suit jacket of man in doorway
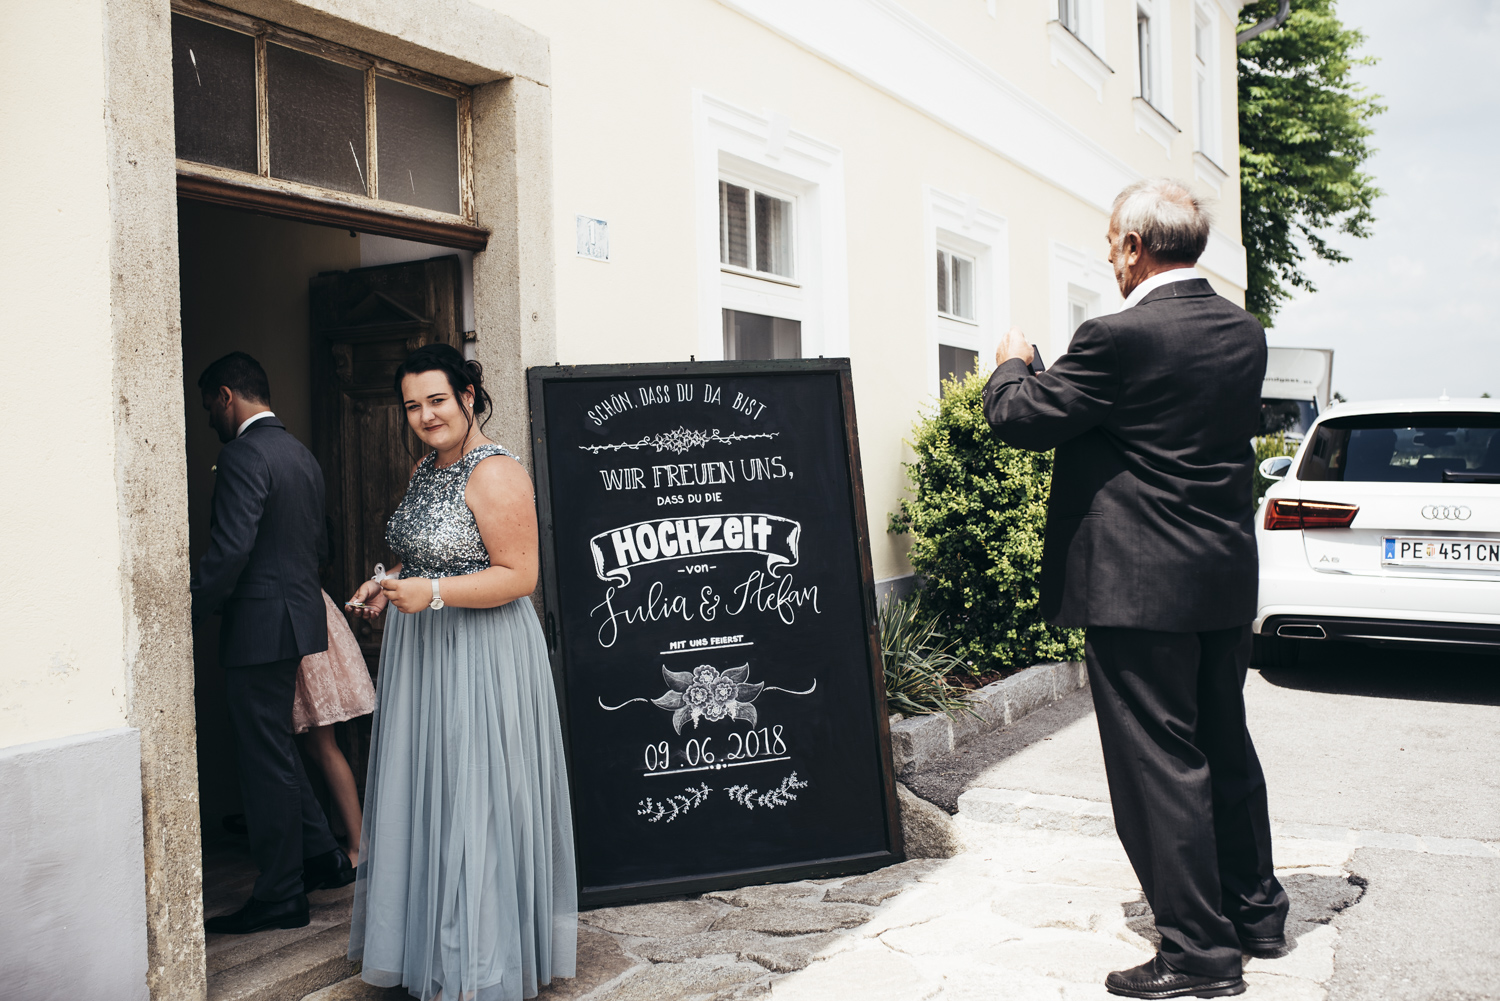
261,572
1150,546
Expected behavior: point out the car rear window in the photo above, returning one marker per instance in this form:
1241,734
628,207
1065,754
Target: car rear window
1405,448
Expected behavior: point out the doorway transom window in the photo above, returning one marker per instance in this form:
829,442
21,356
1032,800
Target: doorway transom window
262,110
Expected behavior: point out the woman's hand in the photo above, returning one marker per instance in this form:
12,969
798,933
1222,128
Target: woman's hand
410,595
372,596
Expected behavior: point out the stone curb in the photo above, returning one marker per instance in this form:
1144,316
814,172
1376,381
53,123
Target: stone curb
1087,816
1029,809
919,741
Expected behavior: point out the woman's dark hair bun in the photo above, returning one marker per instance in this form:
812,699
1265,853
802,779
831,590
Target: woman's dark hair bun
462,373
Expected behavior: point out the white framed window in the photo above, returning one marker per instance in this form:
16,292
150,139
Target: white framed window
1206,111
772,258
1145,54
1153,48
966,275
757,337
955,285
1082,287
1077,41
756,230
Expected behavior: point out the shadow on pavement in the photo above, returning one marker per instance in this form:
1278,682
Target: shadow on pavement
1315,900
1421,675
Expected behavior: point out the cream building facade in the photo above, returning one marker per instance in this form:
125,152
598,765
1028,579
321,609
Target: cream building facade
895,181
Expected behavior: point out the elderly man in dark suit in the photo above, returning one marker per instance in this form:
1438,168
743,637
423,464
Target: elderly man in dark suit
261,572
1150,546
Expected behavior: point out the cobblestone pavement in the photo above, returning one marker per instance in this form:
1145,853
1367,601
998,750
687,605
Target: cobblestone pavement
1372,775
1024,913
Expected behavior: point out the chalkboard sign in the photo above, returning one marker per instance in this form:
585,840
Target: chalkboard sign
710,613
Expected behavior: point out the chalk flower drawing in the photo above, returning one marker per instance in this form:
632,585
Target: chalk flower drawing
780,796
679,441
706,693
672,807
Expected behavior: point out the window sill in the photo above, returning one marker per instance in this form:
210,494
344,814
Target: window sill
730,269
305,203
1074,53
1208,171
955,318
1150,121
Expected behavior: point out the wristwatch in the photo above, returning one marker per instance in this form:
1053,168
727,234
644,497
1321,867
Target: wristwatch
437,599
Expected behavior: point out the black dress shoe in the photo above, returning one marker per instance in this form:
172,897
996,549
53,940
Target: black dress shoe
258,915
1263,946
1158,980
328,871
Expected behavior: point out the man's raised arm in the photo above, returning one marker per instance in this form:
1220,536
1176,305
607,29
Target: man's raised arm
1041,411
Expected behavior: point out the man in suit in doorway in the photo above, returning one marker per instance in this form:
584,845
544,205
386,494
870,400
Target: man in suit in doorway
1150,547
261,572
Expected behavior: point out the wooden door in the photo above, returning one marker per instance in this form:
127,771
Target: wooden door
364,323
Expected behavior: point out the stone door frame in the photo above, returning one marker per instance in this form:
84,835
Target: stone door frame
509,66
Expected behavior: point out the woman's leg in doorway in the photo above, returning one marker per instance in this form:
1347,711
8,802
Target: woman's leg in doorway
340,779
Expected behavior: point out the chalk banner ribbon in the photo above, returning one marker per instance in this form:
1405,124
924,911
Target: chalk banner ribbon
620,550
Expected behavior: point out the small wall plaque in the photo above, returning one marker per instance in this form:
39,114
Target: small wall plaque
593,238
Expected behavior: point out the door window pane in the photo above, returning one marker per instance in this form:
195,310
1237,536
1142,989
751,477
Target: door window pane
317,110
753,337
416,132
213,94
734,226
955,363
773,235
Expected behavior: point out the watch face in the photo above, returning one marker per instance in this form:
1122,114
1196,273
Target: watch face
437,603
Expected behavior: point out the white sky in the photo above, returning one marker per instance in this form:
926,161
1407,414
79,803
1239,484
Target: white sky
1417,310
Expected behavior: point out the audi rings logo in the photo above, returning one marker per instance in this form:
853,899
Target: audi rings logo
1446,512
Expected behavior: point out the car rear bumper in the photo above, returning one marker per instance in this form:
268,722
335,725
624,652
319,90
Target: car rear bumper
1380,631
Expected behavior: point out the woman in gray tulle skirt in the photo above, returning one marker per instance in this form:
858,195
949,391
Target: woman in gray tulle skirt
466,888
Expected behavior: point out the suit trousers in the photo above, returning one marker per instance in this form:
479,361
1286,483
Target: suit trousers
285,822
1187,789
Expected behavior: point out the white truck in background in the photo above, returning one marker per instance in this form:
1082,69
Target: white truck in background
1296,390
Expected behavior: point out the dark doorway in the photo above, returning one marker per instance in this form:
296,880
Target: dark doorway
329,334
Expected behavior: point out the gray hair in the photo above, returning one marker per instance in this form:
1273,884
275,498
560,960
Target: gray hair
1172,221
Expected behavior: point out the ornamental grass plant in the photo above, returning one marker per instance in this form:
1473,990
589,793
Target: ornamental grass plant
977,516
918,660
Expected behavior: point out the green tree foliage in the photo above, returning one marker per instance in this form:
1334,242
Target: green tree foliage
977,518
1303,139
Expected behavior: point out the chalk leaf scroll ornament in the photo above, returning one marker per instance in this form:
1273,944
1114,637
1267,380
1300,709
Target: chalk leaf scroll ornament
706,693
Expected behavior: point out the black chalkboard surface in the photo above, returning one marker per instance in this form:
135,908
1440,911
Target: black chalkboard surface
710,613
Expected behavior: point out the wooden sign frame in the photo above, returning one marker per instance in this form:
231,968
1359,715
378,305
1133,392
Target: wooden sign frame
538,379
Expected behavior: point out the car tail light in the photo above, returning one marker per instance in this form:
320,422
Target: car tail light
1309,514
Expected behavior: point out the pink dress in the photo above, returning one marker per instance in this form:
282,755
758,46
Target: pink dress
334,685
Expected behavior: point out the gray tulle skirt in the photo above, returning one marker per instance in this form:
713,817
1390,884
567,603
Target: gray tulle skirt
466,881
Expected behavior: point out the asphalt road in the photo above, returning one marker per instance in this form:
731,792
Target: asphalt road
1380,742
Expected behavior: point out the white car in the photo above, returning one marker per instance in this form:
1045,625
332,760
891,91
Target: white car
1385,530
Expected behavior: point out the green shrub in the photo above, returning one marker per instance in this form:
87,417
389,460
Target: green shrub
977,518
1265,447
918,660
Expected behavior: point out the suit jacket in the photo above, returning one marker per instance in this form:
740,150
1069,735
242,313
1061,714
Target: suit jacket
266,540
1150,523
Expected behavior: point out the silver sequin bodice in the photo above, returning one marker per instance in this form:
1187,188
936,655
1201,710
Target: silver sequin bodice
433,530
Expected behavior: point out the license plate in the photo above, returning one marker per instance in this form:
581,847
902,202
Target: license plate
1482,554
